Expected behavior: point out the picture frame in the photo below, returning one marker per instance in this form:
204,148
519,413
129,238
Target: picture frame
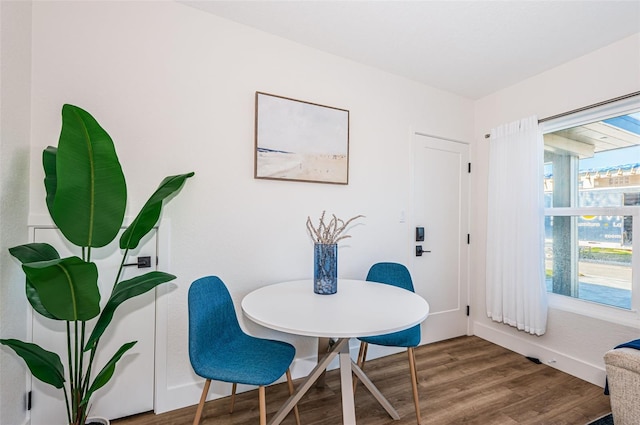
300,141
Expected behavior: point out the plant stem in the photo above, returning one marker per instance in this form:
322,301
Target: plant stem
77,382
66,400
124,259
80,369
71,408
85,385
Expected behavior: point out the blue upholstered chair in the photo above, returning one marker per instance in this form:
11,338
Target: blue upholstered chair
397,275
219,350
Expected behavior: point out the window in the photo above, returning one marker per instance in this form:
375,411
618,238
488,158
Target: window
592,203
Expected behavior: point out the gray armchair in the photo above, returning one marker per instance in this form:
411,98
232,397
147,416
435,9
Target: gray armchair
623,374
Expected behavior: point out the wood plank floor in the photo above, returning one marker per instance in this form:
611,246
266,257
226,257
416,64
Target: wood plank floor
464,380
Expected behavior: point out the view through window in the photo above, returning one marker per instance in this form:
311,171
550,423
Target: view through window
592,202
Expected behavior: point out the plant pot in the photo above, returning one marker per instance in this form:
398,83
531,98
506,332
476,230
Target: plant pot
97,420
325,261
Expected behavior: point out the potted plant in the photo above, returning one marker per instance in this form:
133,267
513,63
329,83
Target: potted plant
86,197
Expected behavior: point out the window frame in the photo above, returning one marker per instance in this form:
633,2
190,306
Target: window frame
575,305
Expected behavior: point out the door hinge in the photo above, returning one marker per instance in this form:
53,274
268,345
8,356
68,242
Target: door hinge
469,167
29,400
468,310
468,239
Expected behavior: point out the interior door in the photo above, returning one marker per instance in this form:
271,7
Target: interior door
441,208
130,390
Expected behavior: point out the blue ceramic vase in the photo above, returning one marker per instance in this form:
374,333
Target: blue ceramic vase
325,267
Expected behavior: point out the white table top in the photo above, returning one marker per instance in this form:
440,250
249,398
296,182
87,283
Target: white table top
359,308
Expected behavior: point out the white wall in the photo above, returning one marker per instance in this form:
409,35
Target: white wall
15,62
175,89
576,342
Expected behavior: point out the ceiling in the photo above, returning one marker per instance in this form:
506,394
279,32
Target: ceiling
471,48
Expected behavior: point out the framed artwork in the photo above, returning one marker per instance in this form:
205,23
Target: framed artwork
300,141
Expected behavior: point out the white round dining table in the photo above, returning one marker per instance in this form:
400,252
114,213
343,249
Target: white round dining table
358,308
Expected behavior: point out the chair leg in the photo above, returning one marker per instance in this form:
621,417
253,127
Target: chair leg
295,408
362,357
414,382
233,396
203,398
263,405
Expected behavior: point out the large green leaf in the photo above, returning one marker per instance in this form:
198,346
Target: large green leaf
30,253
33,252
50,179
68,287
91,194
150,212
43,364
107,372
121,292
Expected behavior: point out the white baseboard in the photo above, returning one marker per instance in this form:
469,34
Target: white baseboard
528,347
188,394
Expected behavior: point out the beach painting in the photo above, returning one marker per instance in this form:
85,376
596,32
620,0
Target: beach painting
300,141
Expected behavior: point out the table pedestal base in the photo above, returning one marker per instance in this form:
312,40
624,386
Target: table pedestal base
347,367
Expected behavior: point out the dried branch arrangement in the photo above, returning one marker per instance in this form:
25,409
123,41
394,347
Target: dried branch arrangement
329,233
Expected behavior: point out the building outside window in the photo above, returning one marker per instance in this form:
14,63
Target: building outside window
592,207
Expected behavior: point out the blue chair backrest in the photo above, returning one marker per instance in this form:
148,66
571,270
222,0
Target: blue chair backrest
391,274
212,319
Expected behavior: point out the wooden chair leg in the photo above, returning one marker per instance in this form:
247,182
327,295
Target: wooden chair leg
203,398
362,357
263,405
295,408
414,382
233,396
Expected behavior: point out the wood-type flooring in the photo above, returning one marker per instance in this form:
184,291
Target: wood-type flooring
464,380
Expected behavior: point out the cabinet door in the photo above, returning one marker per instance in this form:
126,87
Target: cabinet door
130,390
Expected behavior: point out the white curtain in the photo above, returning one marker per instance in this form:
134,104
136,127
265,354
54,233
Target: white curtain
516,292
